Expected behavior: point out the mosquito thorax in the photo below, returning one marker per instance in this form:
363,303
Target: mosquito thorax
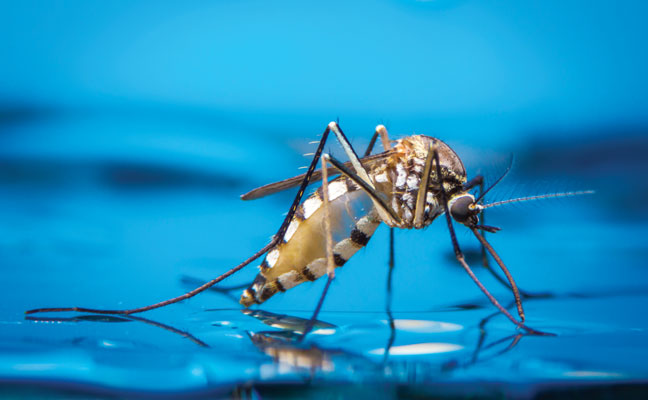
463,208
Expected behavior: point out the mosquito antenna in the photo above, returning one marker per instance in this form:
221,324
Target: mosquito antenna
538,197
508,168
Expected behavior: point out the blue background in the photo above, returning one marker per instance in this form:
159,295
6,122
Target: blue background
128,130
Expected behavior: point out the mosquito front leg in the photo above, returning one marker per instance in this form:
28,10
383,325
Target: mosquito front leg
479,181
516,292
459,254
481,236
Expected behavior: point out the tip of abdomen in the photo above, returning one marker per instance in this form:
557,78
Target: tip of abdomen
247,298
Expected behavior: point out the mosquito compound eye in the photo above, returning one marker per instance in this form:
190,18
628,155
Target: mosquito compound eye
460,208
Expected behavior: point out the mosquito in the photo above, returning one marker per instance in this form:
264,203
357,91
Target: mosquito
412,182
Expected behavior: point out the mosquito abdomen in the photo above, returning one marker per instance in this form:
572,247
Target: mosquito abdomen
301,256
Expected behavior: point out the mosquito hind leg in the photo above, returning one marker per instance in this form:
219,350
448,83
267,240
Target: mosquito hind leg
276,239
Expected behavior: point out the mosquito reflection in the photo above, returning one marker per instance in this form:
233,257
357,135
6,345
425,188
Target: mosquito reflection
290,352
115,319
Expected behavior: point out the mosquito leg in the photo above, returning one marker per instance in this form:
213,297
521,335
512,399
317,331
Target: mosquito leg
330,264
384,138
424,187
382,206
459,255
392,325
276,239
391,261
485,262
311,322
371,145
392,332
374,195
516,292
382,132
484,255
360,170
350,152
225,291
478,180
165,302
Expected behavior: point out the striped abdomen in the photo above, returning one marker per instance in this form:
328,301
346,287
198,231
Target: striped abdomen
302,255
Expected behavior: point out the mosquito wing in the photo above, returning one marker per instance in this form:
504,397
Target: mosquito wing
275,187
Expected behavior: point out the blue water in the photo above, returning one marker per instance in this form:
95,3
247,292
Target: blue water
137,223
128,132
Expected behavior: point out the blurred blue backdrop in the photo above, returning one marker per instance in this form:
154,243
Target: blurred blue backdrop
128,130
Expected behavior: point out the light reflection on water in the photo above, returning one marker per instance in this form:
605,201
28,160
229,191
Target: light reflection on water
270,347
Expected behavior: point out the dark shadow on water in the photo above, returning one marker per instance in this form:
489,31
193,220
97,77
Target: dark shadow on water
612,161
122,175
617,292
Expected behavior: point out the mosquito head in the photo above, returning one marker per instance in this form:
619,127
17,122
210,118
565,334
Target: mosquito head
464,209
